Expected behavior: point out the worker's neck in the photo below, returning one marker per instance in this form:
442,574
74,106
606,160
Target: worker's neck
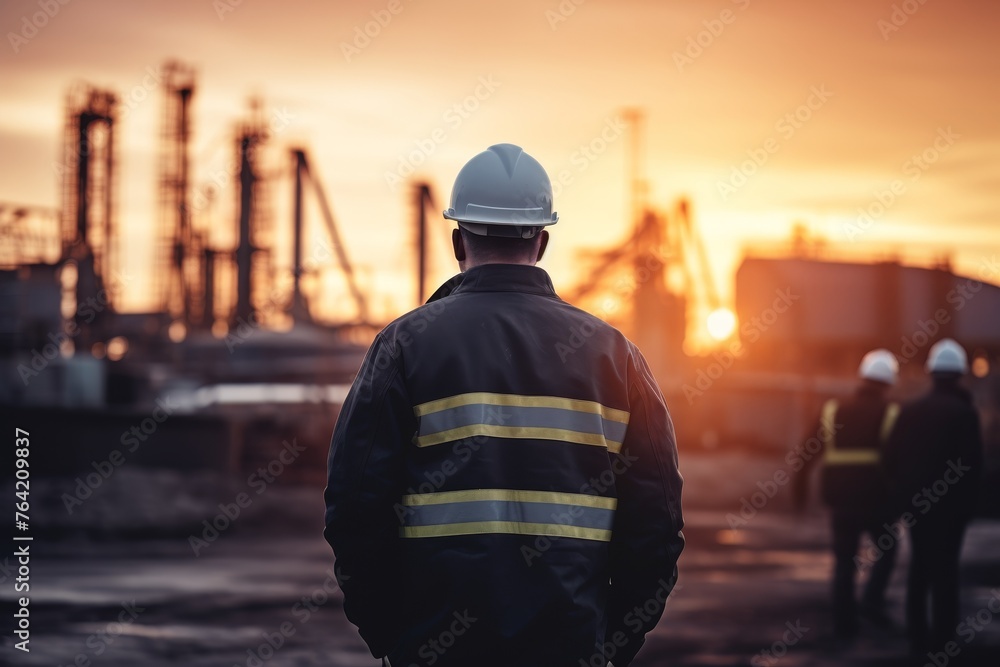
946,380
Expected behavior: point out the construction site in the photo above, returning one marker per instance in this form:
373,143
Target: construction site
236,341
240,359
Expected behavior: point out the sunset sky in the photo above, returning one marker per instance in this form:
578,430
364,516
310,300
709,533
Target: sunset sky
885,81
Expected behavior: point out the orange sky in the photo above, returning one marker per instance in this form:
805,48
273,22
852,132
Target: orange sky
885,96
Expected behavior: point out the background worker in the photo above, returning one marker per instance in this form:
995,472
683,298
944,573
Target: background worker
935,460
491,501
853,485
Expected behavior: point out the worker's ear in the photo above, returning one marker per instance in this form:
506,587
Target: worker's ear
458,245
542,244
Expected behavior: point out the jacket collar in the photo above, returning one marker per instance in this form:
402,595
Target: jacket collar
498,278
446,288
868,389
950,386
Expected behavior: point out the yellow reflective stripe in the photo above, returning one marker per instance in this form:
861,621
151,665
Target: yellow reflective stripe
516,400
888,421
508,527
834,456
537,432
851,456
582,499
826,421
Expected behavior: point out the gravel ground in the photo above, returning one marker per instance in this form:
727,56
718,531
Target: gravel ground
151,601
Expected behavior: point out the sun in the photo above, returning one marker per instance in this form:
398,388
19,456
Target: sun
721,323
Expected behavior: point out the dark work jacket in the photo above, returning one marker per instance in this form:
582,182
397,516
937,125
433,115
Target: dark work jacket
852,485
503,485
935,454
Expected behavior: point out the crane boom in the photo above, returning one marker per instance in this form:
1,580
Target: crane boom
700,257
345,263
424,198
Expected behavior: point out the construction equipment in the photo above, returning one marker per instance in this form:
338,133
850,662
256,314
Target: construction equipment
254,273
88,171
423,200
649,280
183,292
697,271
306,175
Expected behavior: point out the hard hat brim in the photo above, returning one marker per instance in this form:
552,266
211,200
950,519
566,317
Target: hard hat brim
490,215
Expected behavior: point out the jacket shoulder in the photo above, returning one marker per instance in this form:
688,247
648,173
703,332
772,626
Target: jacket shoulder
591,320
416,318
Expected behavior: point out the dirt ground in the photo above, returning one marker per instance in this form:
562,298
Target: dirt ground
152,602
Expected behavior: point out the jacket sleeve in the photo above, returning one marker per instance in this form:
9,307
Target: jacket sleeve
899,465
807,461
971,438
646,538
363,486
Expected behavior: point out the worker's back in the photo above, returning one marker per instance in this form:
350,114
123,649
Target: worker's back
935,455
852,477
537,461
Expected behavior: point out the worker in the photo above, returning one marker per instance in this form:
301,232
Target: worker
935,459
503,481
852,434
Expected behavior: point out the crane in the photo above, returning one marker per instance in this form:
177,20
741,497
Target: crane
305,175
423,199
659,246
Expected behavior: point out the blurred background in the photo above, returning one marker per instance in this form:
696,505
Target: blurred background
208,209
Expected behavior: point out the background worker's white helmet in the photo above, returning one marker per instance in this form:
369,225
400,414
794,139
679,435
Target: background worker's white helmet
503,191
879,365
947,356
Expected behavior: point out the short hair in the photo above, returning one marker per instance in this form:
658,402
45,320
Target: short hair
505,249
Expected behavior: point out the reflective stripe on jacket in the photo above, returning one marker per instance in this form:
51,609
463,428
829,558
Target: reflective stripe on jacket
854,432
866,454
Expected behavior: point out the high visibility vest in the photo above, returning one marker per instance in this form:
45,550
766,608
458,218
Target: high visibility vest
834,456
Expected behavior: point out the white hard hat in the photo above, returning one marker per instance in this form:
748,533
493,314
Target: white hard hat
947,356
880,365
502,191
